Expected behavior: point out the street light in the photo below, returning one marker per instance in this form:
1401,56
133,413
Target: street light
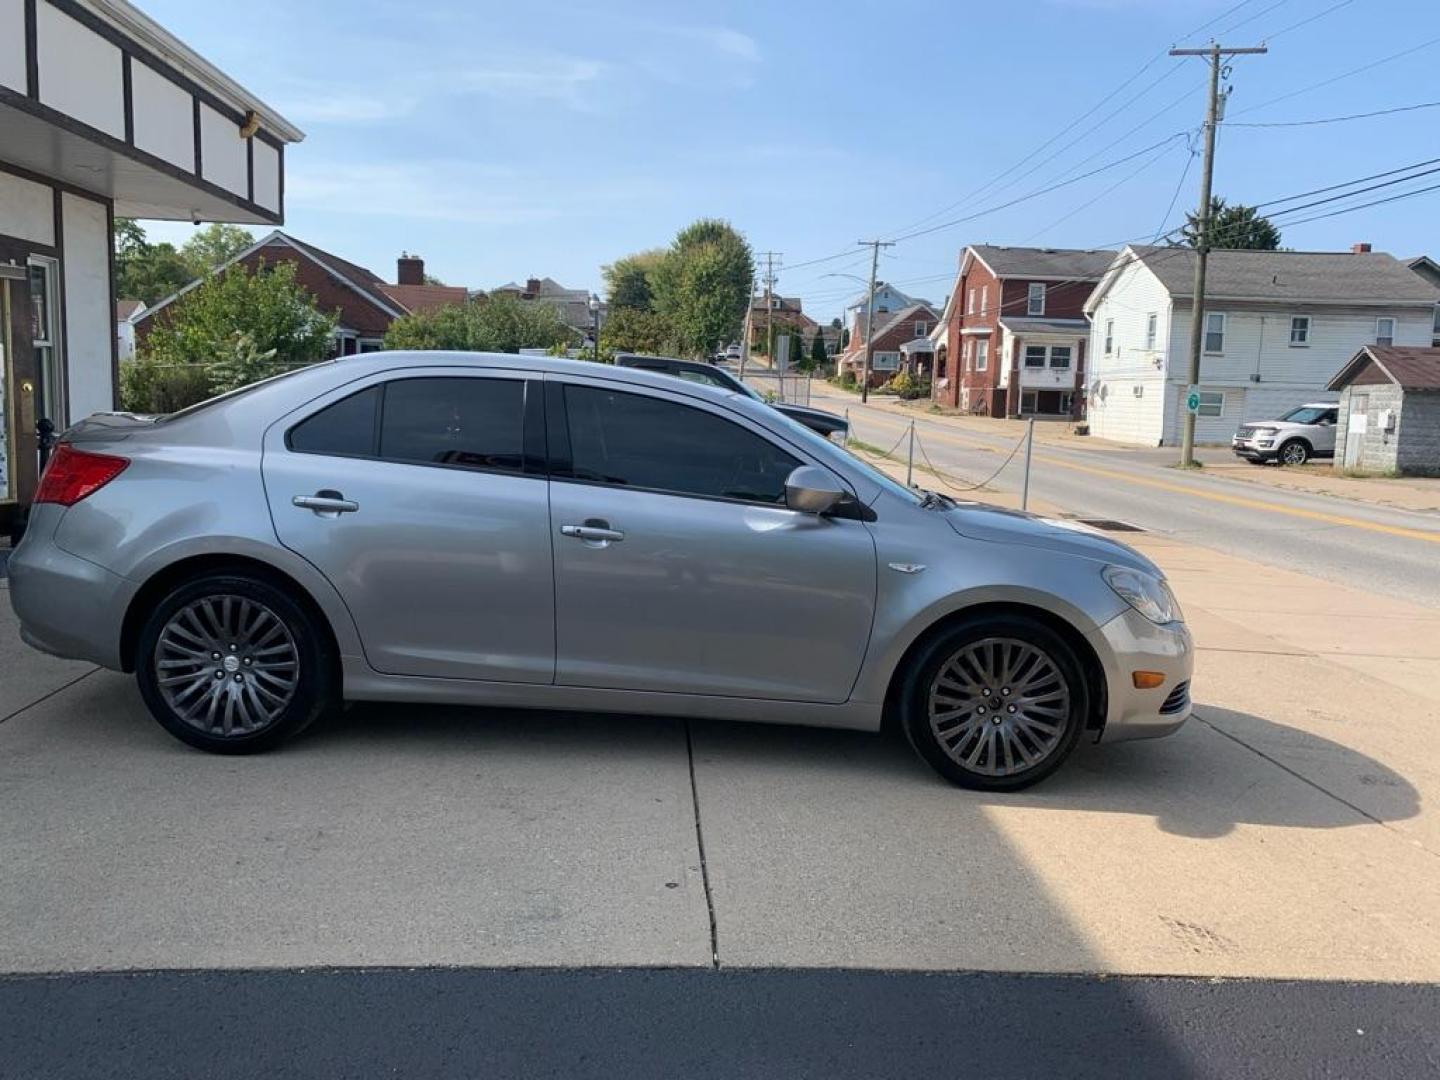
870,292
595,321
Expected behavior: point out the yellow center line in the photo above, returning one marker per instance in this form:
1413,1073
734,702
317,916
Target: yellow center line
1214,496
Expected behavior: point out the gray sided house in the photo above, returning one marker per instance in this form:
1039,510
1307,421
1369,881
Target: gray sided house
1389,411
1277,326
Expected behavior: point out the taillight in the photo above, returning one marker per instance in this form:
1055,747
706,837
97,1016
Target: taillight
71,475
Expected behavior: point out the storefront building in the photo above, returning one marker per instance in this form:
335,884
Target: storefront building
103,113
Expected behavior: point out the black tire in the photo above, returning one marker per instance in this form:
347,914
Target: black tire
938,654
1294,452
313,689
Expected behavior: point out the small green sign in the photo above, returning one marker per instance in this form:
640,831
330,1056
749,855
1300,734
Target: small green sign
1192,400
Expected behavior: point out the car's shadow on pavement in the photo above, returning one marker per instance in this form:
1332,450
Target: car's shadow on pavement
1222,769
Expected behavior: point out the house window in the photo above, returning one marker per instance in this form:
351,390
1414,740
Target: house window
1212,403
1035,300
1384,331
970,303
982,354
1299,330
1214,331
1435,328
45,335
1060,356
921,327
1034,356
1151,321
1109,336
984,299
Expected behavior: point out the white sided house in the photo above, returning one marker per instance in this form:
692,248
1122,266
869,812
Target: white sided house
1278,325
102,113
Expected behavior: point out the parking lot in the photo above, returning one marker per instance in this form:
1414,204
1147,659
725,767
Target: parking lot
1287,831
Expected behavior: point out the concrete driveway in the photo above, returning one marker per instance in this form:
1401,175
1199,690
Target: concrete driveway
1288,831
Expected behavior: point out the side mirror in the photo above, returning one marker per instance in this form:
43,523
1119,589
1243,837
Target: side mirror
812,490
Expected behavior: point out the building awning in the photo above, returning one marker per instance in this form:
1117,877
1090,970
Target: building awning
1027,326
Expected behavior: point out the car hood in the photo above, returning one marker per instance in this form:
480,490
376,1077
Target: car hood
995,524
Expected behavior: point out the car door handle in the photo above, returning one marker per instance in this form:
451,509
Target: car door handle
326,502
592,533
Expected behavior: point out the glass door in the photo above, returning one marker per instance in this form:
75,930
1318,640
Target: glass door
7,447
45,335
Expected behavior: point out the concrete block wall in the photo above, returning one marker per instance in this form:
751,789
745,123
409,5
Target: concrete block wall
1379,451
1419,433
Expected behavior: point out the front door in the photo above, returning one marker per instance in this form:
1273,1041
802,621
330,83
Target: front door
418,496
1357,422
679,569
18,390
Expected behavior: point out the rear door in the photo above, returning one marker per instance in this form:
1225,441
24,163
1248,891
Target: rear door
421,496
678,567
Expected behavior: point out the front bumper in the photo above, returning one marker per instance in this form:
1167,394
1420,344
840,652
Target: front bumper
1253,450
67,606
1128,643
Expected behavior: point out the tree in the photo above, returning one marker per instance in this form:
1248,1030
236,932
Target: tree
499,324
1233,227
629,329
627,280
250,324
702,285
818,356
214,245
144,271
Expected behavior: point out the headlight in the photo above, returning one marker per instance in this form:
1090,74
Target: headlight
1146,593
1267,431
838,436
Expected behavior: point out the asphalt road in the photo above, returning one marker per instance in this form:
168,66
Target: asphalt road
667,1023
1389,551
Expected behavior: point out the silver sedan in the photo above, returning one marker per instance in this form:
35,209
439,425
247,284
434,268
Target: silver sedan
487,530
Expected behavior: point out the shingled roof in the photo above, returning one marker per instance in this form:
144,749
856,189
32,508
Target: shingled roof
1057,263
1320,276
1410,367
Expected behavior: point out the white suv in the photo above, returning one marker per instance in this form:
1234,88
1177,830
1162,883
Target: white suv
1293,439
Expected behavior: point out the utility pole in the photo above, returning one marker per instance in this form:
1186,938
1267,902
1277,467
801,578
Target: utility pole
769,282
874,246
1202,245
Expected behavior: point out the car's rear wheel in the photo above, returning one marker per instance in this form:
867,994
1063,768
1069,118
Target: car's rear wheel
995,703
1294,452
232,664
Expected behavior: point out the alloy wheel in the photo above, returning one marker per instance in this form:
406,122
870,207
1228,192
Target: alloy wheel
226,665
1293,454
999,706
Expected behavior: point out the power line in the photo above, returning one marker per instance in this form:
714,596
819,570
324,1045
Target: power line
1310,19
1189,160
1342,75
1341,119
1251,18
1164,150
1366,205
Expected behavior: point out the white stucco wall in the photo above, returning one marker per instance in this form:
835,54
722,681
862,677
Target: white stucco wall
12,44
222,152
89,309
164,117
27,210
80,72
267,175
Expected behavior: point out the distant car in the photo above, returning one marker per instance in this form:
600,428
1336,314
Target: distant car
732,352
1293,439
819,421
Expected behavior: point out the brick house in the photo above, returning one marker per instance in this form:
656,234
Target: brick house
784,311
364,303
572,305
901,334
1015,334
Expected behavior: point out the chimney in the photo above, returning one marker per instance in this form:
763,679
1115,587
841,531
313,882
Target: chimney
409,269
1360,249
532,287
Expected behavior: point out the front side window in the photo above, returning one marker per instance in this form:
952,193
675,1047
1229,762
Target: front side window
1035,299
982,354
1151,322
1385,331
1034,356
1109,336
1300,330
635,441
1306,414
1215,332
1212,403
1060,356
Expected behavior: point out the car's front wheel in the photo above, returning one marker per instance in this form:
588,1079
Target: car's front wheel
996,703
232,664
1294,452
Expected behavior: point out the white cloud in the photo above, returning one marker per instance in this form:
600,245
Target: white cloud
316,106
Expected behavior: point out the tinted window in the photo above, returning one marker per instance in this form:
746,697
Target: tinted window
645,442
1305,415
473,423
347,427
704,378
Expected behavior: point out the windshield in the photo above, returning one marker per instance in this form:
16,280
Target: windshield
1306,414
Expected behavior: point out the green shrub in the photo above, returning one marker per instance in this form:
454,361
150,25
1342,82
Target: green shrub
154,386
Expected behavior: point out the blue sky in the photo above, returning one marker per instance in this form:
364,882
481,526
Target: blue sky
506,140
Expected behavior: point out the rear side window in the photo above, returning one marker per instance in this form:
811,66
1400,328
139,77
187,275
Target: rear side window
631,440
346,428
471,423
